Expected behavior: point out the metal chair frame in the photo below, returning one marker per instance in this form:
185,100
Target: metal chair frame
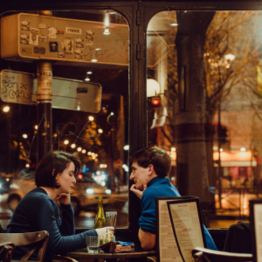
207,255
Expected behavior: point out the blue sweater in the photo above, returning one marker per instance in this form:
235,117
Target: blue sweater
160,187
37,211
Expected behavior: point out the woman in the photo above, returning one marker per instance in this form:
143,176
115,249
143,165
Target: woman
54,178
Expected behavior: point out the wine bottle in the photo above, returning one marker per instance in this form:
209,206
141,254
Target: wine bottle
100,220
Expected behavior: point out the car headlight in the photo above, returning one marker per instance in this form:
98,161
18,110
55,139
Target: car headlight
108,191
14,186
90,191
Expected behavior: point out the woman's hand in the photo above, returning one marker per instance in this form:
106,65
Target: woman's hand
102,231
64,198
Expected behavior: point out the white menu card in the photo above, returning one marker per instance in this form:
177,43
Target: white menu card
179,228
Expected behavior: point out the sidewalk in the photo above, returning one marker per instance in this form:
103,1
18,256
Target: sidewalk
234,208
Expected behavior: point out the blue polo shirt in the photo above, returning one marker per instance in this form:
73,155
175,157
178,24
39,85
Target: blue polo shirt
160,187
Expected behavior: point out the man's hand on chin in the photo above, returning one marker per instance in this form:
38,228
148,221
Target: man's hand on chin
137,191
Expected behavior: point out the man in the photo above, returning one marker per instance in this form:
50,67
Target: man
150,167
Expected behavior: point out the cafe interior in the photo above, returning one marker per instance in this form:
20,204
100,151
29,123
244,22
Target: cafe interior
107,78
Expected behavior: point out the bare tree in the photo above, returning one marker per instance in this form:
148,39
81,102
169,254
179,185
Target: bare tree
232,52
231,55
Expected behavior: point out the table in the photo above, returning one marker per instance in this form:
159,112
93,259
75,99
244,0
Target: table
111,257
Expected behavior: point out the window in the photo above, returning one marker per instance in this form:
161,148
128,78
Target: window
84,56
204,96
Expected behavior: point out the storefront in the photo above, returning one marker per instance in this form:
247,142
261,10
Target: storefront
78,78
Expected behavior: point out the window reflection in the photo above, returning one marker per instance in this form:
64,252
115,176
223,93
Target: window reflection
229,99
86,77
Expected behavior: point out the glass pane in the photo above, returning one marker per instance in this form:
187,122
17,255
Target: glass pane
85,58
204,103
162,82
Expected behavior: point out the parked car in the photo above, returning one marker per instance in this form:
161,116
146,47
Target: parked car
20,186
85,193
5,182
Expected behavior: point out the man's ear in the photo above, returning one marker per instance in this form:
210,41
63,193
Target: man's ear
151,169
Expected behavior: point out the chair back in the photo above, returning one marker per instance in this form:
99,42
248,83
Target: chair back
37,240
6,251
207,255
255,211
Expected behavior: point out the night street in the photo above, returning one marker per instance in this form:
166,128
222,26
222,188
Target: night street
83,220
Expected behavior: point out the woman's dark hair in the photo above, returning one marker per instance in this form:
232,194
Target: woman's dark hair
154,156
53,163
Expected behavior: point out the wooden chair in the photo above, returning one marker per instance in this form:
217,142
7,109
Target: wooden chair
207,255
59,258
6,251
37,240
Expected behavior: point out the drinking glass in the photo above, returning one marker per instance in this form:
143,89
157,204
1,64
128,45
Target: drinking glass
92,244
111,218
110,222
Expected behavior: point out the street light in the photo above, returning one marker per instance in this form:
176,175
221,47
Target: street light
125,167
126,147
6,109
230,57
153,88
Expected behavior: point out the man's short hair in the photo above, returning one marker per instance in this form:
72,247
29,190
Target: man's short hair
154,156
53,163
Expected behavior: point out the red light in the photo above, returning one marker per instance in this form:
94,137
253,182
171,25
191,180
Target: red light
80,176
155,101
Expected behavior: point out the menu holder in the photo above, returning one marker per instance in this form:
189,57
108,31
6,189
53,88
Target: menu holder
255,215
179,228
